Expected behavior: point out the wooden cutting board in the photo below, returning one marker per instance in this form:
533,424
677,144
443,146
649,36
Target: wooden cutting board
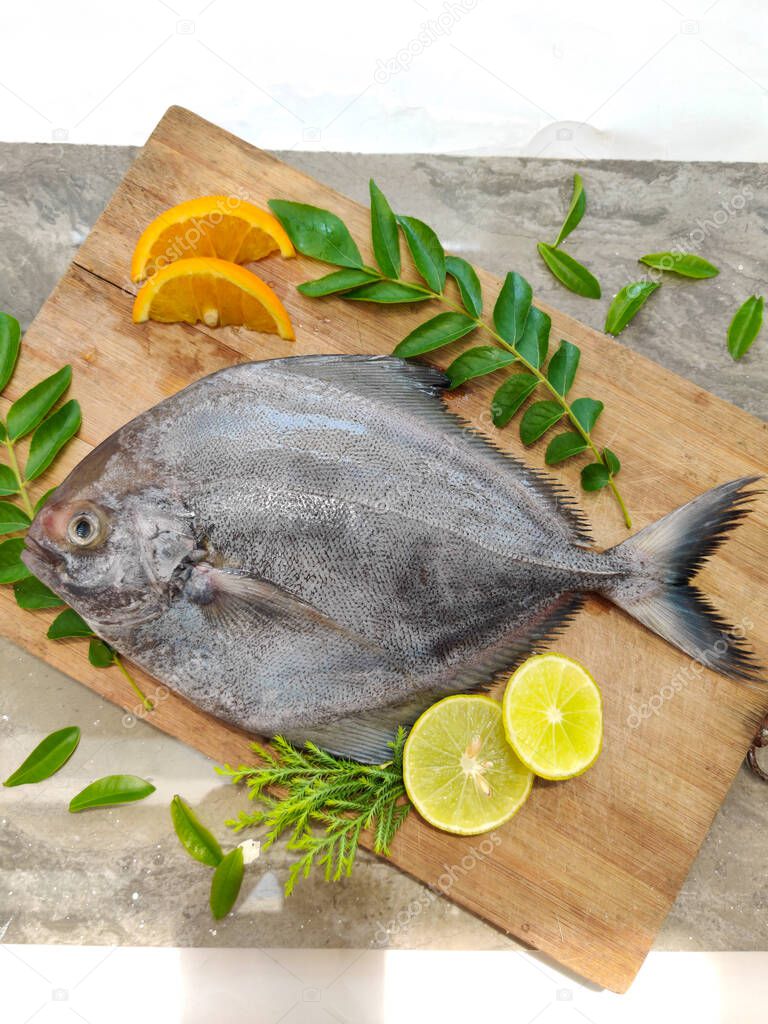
589,868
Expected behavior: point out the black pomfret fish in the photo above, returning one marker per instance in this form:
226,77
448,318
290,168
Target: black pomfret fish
314,546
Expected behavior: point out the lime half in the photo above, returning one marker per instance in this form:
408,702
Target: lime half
460,772
553,716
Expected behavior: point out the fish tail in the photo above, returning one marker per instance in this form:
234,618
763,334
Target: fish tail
664,557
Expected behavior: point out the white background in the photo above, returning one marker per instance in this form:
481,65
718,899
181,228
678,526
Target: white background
671,79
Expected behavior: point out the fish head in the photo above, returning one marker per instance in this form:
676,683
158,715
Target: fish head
111,552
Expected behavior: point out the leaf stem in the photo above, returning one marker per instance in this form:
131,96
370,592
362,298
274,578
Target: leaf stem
534,370
146,702
15,469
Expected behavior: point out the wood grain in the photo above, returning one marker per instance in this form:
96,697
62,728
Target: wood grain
589,868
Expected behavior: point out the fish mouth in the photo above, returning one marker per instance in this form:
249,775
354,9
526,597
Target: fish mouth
41,560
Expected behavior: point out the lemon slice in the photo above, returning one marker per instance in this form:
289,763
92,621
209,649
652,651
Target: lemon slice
460,773
553,716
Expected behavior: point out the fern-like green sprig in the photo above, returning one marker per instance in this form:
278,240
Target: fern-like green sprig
323,804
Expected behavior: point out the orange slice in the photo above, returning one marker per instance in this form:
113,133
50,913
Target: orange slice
215,292
222,226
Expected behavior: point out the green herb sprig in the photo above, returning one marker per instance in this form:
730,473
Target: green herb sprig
519,332
52,427
325,804
202,846
562,265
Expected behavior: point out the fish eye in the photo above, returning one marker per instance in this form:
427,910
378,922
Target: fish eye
85,529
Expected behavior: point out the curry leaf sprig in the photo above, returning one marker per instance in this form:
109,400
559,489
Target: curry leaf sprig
519,331
323,804
51,426
562,265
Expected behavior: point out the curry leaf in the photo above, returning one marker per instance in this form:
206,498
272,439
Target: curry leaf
570,272
426,250
745,326
111,790
477,362
626,304
510,396
51,436
686,264
338,281
440,330
68,624
466,278
100,654
32,594
534,343
47,757
512,308
317,233
10,340
8,482
575,210
594,476
193,836
12,518
226,882
563,446
586,411
538,419
11,566
387,292
562,368
612,461
29,410
384,234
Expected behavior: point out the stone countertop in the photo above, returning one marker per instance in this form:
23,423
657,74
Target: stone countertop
120,876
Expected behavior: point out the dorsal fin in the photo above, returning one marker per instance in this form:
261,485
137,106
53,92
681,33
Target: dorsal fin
417,388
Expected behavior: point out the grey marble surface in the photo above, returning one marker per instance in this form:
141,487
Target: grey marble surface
119,876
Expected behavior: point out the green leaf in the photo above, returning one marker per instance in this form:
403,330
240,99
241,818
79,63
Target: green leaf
50,437
32,594
586,411
68,624
317,233
510,396
627,303
563,446
42,499
11,566
512,308
100,654
685,264
386,292
29,410
384,234
193,836
569,271
562,368
10,339
594,476
440,330
575,210
47,757
534,344
466,278
427,252
8,482
12,518
611,461
226,882
538,418
111,790
477,362
745,326
338,281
